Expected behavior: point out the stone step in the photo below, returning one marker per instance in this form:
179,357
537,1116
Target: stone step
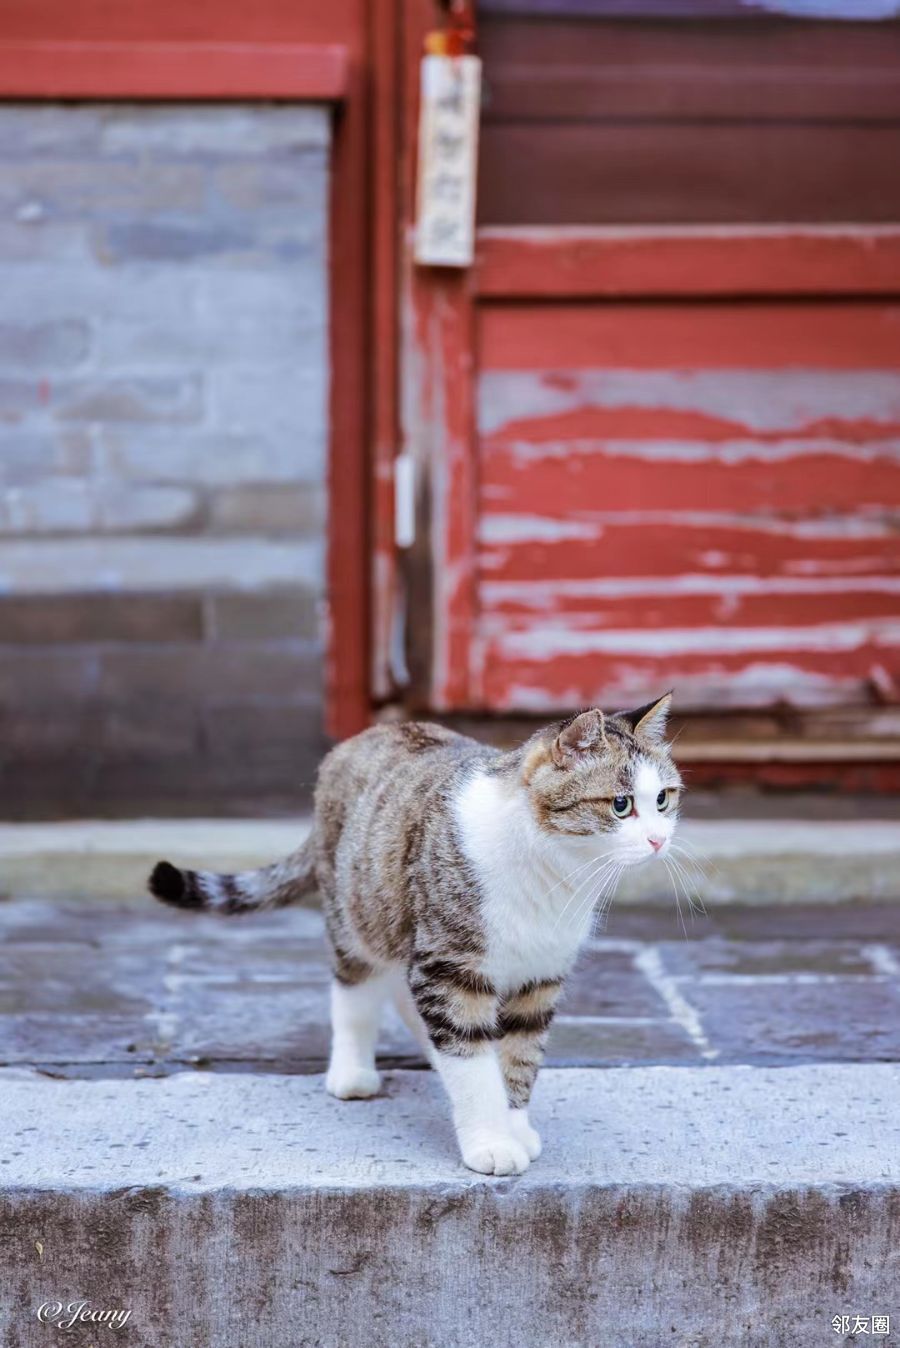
689,1206
754,861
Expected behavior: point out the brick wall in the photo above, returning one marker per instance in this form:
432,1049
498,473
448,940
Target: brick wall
162,456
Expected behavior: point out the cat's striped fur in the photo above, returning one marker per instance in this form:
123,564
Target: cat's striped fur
459,880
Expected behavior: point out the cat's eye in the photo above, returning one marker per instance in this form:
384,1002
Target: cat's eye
665,798
622,806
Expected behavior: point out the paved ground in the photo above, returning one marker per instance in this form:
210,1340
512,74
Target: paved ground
99,990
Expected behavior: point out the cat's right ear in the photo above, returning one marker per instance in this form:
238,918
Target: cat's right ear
581,736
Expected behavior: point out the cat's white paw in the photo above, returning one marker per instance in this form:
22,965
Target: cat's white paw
523,1132
352,1083
494,1154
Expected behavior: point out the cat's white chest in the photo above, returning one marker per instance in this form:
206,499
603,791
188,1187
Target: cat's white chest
534,919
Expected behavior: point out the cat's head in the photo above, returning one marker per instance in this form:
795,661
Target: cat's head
607,776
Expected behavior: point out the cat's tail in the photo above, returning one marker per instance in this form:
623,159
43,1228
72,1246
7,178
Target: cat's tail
270,887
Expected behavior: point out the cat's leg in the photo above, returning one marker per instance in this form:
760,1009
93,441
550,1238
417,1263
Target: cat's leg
406,1009
523,1026
355,1014
459,1010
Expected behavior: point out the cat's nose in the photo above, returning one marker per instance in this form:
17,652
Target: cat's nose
656,843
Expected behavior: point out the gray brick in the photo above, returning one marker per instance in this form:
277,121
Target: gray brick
69,189
28,130
263,183
290,403
211,674
263,617
60,343
60,505
170,241
39,677
161,563
42,241
222,131
273,733
143,729
152,398
123,507
47,728
259,293
59,290
297,510
30,456
45,620
220,458
20,398
248,341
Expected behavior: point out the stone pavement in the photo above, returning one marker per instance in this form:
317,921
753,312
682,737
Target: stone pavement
96,990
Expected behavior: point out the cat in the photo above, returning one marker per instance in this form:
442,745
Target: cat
459,880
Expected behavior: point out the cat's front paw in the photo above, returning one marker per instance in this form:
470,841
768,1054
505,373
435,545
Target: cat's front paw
523,1132
352,1083
494,1154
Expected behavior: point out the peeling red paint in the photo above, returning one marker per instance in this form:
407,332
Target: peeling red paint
654,547
698,495
799,481
702,494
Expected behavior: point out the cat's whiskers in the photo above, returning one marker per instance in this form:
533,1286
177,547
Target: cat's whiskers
601,863
689,884
596,895
696,857
566,879
667,863
691,871
681,880
605,899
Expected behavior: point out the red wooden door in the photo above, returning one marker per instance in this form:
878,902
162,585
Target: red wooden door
661,453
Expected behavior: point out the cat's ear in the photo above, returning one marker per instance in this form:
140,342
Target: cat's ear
650,720
582,735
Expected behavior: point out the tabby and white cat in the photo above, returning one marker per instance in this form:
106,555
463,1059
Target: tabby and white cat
460,880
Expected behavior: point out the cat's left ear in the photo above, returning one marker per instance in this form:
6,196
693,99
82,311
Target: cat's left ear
650,720
582,734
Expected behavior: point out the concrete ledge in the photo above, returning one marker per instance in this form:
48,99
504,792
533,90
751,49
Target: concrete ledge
112,858
755,861
780,860
685,1206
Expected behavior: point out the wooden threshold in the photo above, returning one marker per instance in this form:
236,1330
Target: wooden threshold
855,750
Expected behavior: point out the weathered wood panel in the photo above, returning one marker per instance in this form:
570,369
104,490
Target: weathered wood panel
764,71
688,261
594,173
600,122
703,495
